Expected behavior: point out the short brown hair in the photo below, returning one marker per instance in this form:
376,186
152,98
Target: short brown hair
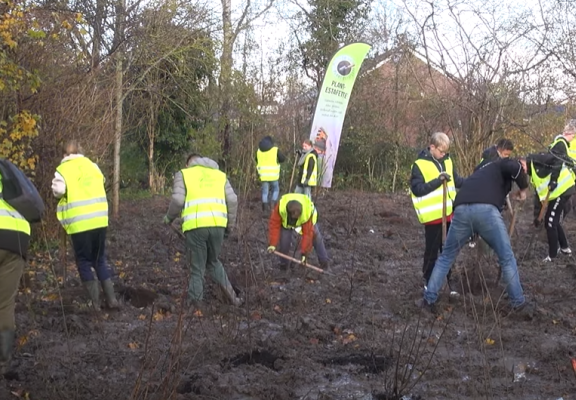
73,147
308,142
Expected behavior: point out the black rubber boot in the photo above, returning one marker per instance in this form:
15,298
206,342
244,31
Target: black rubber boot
6,345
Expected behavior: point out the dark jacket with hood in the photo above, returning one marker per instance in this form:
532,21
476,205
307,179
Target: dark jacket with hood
266,144
492,183
488,155
420,187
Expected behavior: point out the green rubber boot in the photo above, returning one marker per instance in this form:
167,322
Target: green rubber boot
94,293
109,295
6,345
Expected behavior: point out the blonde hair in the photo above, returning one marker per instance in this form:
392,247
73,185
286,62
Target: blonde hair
440,139
73,147
570,127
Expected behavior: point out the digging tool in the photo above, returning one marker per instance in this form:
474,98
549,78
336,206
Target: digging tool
293,170
287,257
514,212
540,217
178,232
444,195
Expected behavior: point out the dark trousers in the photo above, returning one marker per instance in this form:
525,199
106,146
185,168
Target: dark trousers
553,223
89,250
433,236
11,267
203,246
318,244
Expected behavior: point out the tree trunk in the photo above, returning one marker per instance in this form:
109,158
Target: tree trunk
226,76
117,138
151,137
118,39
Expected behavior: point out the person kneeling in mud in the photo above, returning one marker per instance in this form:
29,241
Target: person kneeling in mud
292,212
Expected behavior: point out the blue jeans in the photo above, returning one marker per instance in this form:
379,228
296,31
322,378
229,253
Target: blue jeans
266,186
485,220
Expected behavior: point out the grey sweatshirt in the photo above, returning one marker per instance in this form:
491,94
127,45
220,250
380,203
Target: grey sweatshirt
179,193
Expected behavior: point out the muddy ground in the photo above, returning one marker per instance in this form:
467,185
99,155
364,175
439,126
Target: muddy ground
299,335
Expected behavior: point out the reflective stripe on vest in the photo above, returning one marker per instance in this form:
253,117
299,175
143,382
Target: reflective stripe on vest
429,208
565,182
10,219
308,210
313,180
268,167
205,204
84,206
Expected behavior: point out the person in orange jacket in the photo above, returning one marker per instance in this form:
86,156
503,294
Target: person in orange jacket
296,211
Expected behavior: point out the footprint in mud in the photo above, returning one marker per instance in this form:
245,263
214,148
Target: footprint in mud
372,364
262,357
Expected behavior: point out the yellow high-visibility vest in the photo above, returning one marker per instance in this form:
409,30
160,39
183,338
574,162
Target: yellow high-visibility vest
565,182
10,219
308,210
313,180
268,166
205,204
429,207
84,207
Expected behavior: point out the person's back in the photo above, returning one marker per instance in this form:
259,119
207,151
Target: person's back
14,238
491,183
268,159
204,198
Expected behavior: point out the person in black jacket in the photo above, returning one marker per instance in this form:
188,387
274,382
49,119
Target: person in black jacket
432,167
502,149
477,209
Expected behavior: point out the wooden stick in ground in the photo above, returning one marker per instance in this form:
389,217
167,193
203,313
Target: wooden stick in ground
287,257
514,212
444,196
540,217
292,176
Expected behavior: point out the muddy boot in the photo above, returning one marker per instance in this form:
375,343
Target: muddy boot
325,265
230,294
6,344
94,292
265,210
109,296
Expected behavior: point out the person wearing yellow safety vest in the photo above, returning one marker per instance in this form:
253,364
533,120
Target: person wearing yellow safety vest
207,204
433,167
307,169
268,159
14,239
83,213
558,186
294,211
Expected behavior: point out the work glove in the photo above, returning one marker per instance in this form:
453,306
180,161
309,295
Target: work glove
166,220
298,153
552,185
444,176
537,223
226,232
303,259
271,249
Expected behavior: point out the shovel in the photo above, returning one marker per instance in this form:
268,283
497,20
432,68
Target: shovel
301,263
540,217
